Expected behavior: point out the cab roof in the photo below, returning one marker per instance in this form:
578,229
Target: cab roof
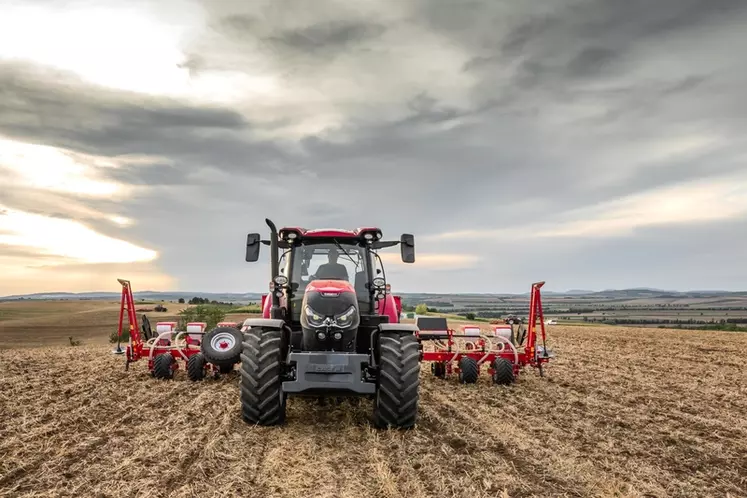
328,233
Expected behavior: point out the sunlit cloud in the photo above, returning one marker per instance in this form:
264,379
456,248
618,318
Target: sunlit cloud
701,201
66,239
28,274
123,46
112,45
50,168
434,260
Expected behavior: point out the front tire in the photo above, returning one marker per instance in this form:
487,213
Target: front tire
261,388
396,400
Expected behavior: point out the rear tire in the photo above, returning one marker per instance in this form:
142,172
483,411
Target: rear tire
196,367
503,372
469,371
261,388
162,366
396,400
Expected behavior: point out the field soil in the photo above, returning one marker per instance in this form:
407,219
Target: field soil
621,412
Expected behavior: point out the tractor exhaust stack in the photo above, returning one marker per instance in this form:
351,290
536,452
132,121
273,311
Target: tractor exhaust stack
274,267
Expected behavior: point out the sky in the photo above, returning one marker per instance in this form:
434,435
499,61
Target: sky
591,144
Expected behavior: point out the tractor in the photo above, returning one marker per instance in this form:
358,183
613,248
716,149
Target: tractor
330,327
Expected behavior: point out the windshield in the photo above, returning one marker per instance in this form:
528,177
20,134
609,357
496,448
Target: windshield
328,261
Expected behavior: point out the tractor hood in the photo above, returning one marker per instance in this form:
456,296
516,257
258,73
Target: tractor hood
328,286
329,298
329,316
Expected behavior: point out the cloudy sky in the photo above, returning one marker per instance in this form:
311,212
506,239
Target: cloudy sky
592,144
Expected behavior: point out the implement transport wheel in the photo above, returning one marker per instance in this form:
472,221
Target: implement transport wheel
438,369
468,370
224,369
162,366
396,400
222,346
196,367
503,371
262,397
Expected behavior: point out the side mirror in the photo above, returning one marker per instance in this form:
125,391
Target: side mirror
407,247
252,247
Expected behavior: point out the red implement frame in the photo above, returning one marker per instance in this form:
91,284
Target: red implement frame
527,354
163,343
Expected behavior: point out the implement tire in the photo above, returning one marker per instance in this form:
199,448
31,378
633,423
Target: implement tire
196,367
261,387
162,366
503,372
468,370
396,400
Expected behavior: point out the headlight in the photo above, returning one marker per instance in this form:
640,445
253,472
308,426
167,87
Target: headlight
346,318
315,319
281,280
378,282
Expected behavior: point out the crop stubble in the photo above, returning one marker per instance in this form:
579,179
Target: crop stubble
622,412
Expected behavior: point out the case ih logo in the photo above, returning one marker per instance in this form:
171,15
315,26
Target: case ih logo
326,368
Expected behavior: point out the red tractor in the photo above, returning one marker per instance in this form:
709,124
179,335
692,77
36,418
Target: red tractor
330,327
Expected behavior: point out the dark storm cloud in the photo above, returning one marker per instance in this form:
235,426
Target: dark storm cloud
326,38
539,108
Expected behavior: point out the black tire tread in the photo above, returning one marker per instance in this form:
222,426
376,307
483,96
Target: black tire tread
469,372
162,366
397,396
438,369
196,367
261,383
503,371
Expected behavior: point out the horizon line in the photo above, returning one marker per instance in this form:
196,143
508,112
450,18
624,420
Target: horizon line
566,292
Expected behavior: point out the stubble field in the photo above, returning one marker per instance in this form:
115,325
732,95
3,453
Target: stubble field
621,412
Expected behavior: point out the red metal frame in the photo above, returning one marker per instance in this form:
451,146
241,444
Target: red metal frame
520,356
137,348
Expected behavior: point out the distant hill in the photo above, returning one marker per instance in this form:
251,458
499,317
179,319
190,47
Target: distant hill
242,298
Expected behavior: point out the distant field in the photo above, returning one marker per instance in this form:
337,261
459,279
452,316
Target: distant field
575,310
44,323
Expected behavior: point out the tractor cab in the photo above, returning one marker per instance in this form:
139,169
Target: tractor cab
343,259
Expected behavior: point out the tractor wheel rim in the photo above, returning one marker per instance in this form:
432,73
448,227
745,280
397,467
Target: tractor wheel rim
222,341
